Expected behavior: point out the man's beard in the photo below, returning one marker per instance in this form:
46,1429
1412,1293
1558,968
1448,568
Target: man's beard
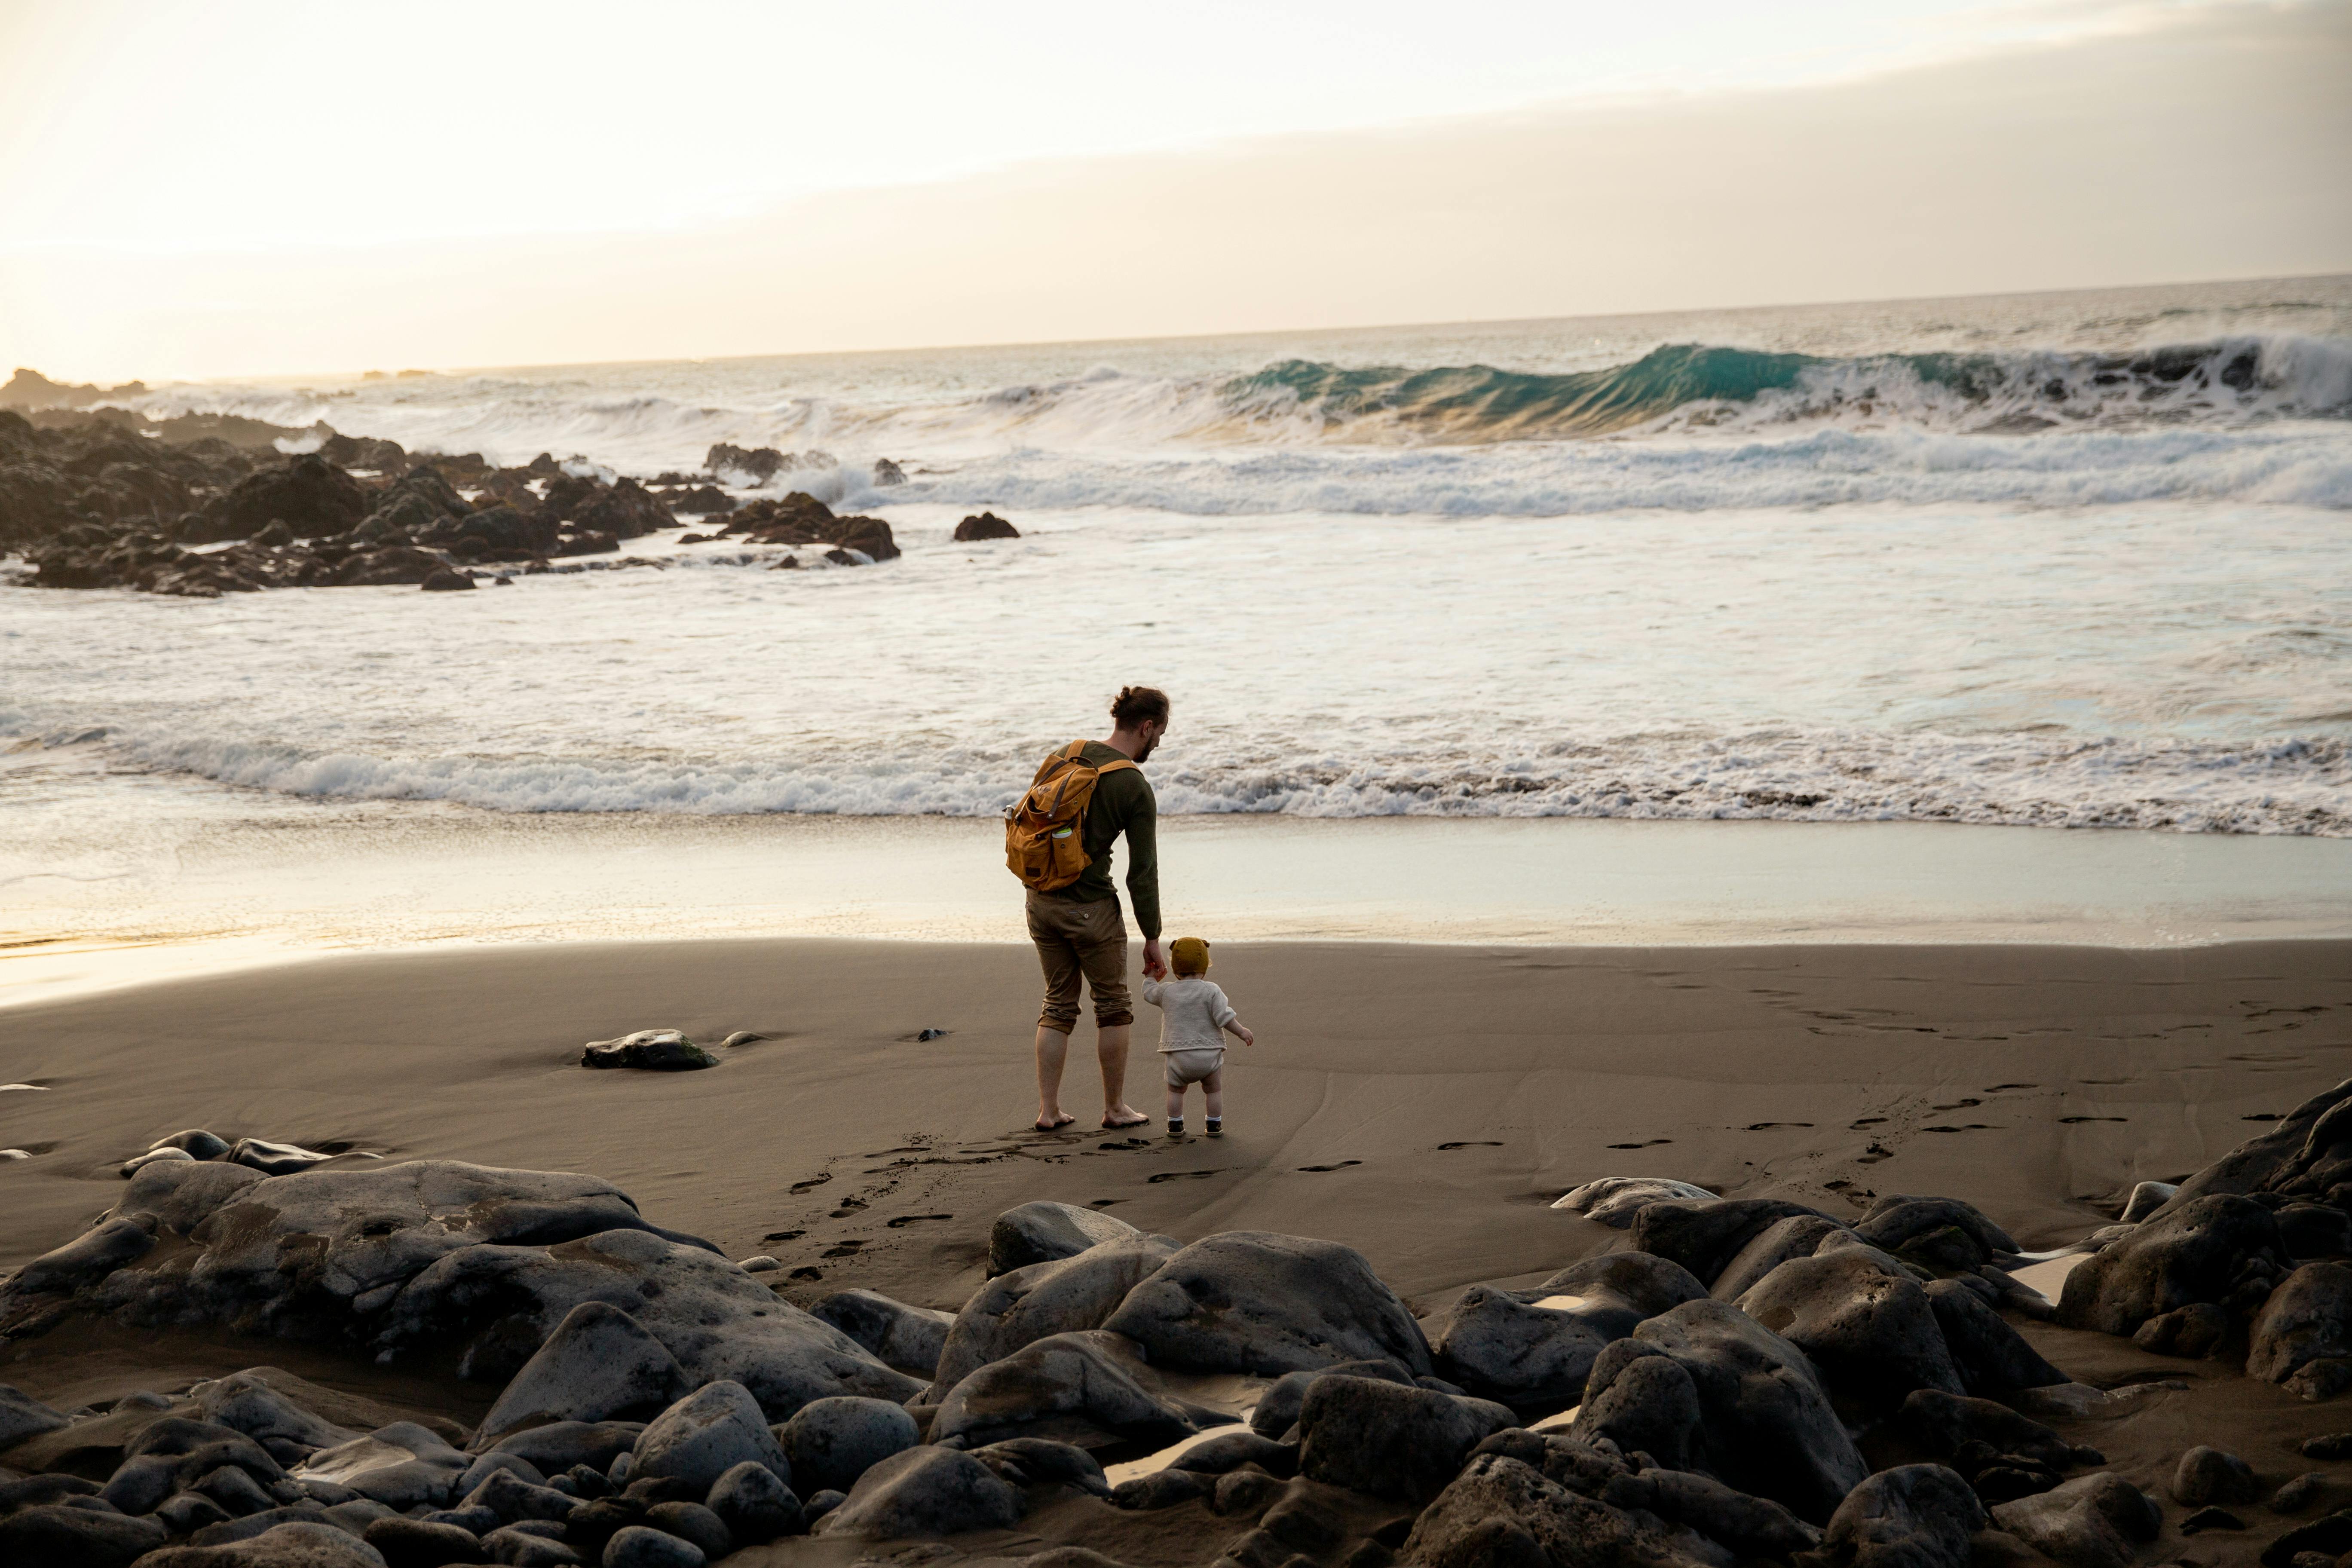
1145,754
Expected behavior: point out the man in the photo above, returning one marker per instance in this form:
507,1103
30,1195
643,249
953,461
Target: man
1079,929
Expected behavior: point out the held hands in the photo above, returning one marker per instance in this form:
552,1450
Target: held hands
1154,963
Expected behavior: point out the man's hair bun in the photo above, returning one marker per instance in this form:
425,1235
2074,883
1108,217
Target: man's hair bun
1138,705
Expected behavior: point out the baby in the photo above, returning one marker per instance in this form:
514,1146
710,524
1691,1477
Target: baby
1194,1017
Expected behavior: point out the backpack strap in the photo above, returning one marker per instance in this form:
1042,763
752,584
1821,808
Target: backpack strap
1114,767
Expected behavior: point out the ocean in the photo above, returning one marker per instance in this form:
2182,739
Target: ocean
2071,560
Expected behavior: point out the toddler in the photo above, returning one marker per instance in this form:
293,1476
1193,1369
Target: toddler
1194,1020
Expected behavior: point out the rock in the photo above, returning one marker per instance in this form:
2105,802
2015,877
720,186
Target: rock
2092,1522
1705,1235
32,1491
23,1417
1511,1346
2146,1198
887,473
299,1545
1042,1231
1797,1235
2204,1249
245,1403
1257,1302
1028,1304
131,1167
1870,1330
719,1322
900,1335
186,1513
2207,1475
821,1504
512,1498
389,565
2329,1537
599,1364
691,1522
251,1522
1894,1222
561,1446
1388,1441
1500,1512
925,1491
758,465
1159,1489
446,579
1277,1408
1944,1425
706,1434
58,1535
400,1465
182,1197
238,1493
521,1546
754,1505
85,1260
1231,1450
2315,1230
1913,1516
2299,1493
1615,1200
195,1143
1643,1401
1766,1424
1992,1357
413,1543
2307,1154
1751,1527
274,1159
310,495
649,1051
2307,1318
832,1442
1098,1376
2198,1328
2206,1519
986,525
640,1547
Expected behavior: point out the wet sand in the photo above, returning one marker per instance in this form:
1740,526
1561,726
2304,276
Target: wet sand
1422,1103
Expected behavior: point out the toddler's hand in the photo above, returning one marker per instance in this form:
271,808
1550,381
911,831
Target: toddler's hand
1247,1039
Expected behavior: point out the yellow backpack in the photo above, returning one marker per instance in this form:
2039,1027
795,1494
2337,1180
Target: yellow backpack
1044,830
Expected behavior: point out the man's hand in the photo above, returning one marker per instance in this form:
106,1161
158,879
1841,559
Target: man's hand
1154,965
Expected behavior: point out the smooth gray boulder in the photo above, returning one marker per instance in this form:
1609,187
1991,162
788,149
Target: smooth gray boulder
131,1166
195,1143
928,1490
832,1442
1869,1330
1501,1512
1094,1374
722,1324
274,1159
2146,1197
301,1545
1896,1222
2209,1475
1253,1301
1388,1441
909,1337
599,1364
1618,1289
85,1260
405,1543
2305,1324
1277,1408
1614,1201
1043,1231
556,1447
245,1403
1515,1346
1024,1305
1766,1424
1705,1235
1797,1236
755,1506
706,1434
692,1521
183,1197
2092,1522
57,1534
512,1498
1913,1516
1992,1358
641,1546
400,1465
23,1417
2216,1249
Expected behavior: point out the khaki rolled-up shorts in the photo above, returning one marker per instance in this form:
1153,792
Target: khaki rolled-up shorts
1192,1064
1081,941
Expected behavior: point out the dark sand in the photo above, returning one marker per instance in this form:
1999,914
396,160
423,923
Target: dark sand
1423,1104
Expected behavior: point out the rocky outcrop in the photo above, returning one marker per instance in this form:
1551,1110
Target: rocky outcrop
984,525
1257,1302
2216,1249
801,518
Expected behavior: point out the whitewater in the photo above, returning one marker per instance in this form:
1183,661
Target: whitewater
2071,560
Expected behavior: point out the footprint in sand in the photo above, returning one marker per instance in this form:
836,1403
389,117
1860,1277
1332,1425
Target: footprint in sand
847,1249
1473,1143
783,1236
2069,1120
1182,1175
1768,1126
1340,1167
2263,1116
1984,1127
2000,1087
812,1182
1654,1141
906,1219
1865,1121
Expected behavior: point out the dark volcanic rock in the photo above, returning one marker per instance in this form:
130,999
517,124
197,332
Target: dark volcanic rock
446,579
1705,1236
1256,1302
2209,1475
754,1505
756,464
1797,1235
393,564
986,525
1389,1441
1945,1424
598,1364
1615,1200
2092,1522
1500,1512
1045,1299
1097,1376
1992,1357
1043,1231
901,1336
55,1535
800,517
1869,1328
925,1491
2302,1337
1913,1516
2307,1155
2216,1249
708,1434
622,509
1277,1408
832,1442
309,494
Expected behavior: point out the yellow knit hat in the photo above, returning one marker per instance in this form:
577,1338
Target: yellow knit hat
1188,955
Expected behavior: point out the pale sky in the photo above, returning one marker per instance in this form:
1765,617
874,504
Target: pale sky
242,188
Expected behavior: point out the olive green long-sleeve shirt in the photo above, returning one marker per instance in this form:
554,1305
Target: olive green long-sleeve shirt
1123,802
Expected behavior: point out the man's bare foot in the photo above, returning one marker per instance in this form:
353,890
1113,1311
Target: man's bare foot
1055,1124
1125,1116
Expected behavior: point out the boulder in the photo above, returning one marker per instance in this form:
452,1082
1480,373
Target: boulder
706,1434
58,1535
1751,1527
1705,1235
1944,1425
986,525
832,1442
1231,1450
512,1498
641,1546
1641,1400
690,1521
2209,1475
561,1446
1615,1200
2304,1322
446,579
927,1490
2312,1230
23,1417
648,1050
1797,1235
302,1545
2307,1154
887,473
274,1159
1992,1357
1913,1516
1868,1328
244,1402
2216,1249
1028,1304
1277,1408
598,1364
2145,1198
2092,1522
400,1465
898,1335
1253,1301
1043,1231
1099,1377
182,1197
1896,1222
388,565
754,1505
1388,1441
1535,1347
85,1260
1618,1289
1501,1512
311,496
